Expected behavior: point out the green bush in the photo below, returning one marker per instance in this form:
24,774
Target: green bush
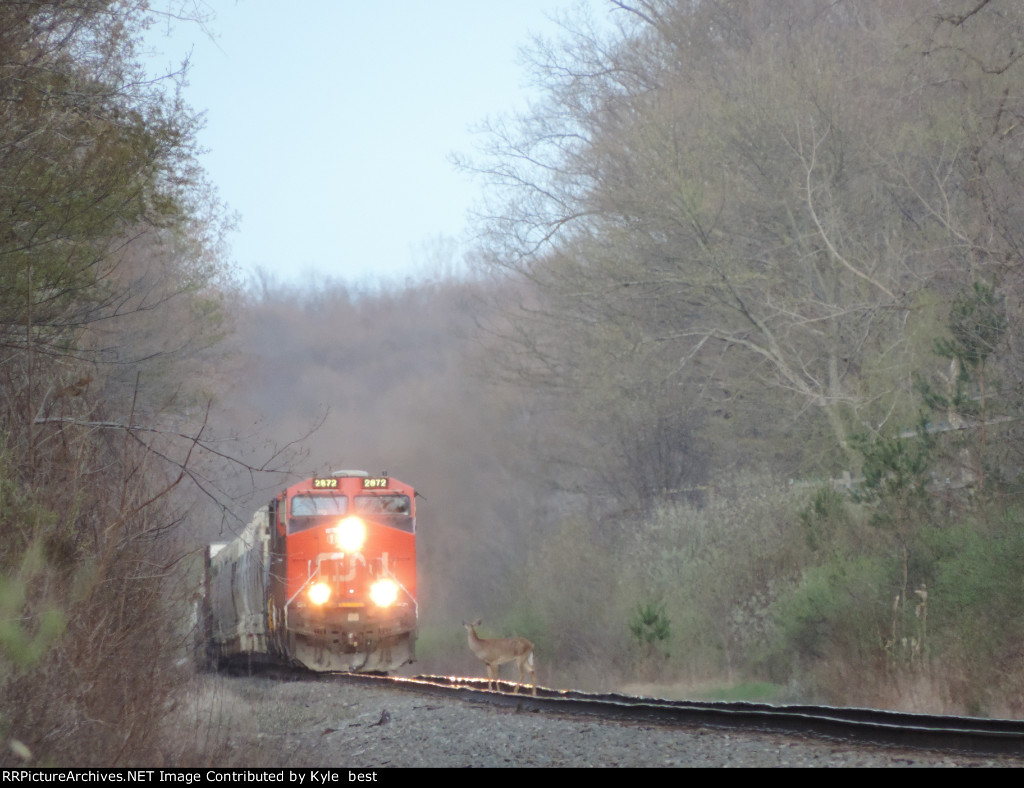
977,589
838,611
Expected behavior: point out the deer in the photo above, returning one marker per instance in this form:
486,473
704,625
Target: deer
498,651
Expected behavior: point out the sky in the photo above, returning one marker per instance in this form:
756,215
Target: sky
330,124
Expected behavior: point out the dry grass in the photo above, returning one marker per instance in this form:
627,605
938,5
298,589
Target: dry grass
254,722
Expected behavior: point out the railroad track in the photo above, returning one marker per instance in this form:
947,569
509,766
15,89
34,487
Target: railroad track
966,735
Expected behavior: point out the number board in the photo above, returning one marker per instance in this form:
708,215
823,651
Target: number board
375,483
325,484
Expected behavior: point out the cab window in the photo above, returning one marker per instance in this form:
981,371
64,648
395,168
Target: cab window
394,511
306,509
382,504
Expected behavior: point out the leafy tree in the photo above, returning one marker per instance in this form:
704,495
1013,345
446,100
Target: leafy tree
108,261
977,323
650,625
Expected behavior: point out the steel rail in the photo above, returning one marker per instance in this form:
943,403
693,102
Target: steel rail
965,735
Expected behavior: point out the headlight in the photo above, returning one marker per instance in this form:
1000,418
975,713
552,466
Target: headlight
319,593
384,592
350,533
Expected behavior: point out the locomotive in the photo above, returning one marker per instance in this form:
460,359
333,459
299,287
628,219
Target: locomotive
323,577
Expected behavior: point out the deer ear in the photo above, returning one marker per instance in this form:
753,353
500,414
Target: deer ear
478,622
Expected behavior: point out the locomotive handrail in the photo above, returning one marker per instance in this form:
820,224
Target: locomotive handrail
288,603
309,579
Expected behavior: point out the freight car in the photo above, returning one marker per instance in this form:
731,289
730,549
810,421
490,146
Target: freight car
323,577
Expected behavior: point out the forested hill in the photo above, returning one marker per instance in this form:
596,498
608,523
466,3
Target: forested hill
735,250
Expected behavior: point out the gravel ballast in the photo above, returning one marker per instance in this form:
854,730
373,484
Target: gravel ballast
257,721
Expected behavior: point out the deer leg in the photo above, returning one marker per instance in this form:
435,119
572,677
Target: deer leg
522,673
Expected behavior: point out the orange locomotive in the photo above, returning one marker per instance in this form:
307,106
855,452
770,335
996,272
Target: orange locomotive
323,577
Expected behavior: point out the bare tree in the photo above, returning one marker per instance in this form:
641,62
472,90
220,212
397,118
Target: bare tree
719,174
